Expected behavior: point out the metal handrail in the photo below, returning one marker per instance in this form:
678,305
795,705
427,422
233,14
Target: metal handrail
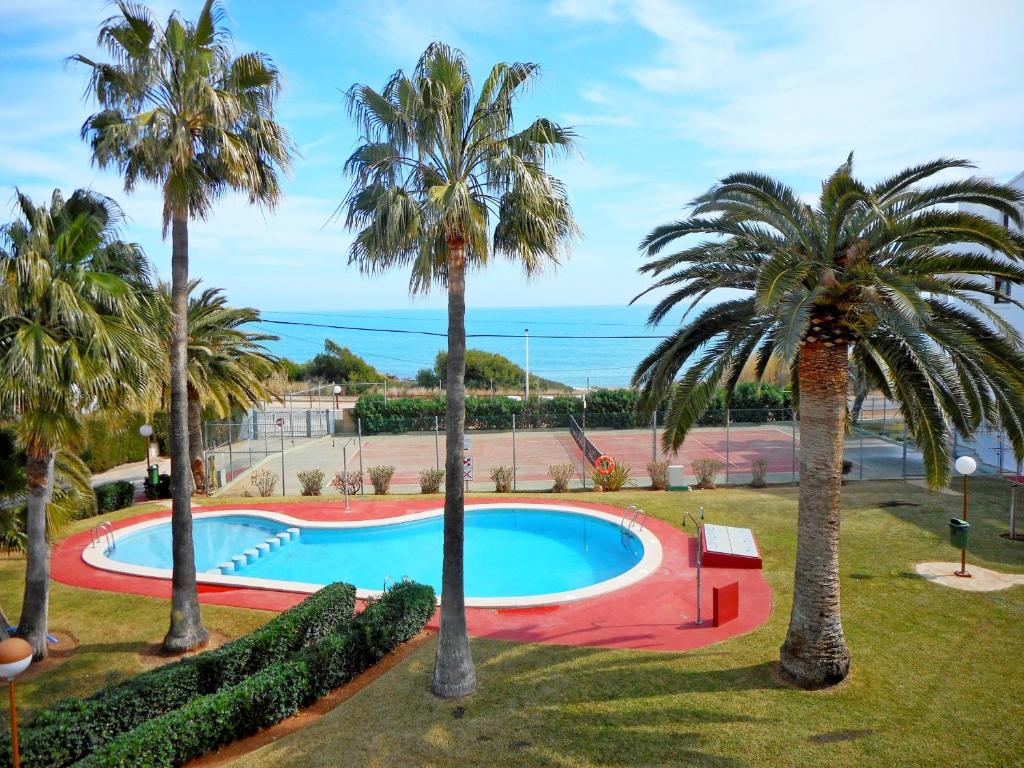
103,532
627,522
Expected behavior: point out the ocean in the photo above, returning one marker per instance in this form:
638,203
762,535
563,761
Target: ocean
601,362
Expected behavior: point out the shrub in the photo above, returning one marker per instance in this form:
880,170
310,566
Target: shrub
264,481
561,474
312,482
614,480
430,480
658,472
381,478
162,489
353,481
502,477
114,496
758,469
277,691
706,470
73,728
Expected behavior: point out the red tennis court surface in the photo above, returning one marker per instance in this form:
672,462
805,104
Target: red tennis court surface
656,613
536,450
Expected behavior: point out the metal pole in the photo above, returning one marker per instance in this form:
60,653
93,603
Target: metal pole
963,552
861,455
231,458
437,444
1013,512
654,435
359,432
792,413
15,746
727,462
282,460
514,471
385,391
584,459
1000,450
344,471
526,334
905,437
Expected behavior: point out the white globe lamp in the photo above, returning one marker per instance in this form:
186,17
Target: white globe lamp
15,656
146,430
966,465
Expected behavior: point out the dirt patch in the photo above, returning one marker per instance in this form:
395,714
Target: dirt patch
60,652
1015,537
153,654
312,713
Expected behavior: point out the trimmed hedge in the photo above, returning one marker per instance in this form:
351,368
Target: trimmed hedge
606,409
275,692
74,728
113,496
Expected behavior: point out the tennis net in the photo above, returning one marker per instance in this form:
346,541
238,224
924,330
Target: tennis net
590,451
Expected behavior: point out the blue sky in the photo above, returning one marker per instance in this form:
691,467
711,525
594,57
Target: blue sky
667,96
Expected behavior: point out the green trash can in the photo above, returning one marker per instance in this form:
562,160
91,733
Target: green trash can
959,532
154,474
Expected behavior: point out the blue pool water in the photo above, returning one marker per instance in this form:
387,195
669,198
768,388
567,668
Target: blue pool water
508,552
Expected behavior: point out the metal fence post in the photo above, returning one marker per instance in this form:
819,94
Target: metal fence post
514,469
862,455
999,448
727,462
344,470
437,443
359,432
282,461
654,435
905,438
792,413
231,458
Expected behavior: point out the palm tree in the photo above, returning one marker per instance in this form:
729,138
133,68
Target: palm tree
228,366
178,109
441,181
890,276
72,340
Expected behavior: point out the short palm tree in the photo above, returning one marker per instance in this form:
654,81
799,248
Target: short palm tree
889,275
228,366
72,340
178,109
441,182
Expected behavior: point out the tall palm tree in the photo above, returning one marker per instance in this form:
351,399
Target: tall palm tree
441,181
889,275
72,340
178,109
228,366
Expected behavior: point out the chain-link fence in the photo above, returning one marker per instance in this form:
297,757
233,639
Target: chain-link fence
737,446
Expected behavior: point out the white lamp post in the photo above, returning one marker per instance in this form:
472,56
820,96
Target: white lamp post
15,656
146,430
965,465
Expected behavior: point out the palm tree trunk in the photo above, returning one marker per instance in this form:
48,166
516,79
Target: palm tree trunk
195,440
186,630
35,606
4,624
815,653
454,675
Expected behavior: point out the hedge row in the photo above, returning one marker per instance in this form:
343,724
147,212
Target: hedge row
275,692
606,409
111,497
73,728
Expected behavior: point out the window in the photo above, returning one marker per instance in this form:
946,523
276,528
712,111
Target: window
1002,286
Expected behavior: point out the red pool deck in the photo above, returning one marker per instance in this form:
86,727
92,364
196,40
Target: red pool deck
657,613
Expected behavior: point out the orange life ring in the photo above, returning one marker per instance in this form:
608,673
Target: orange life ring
604,464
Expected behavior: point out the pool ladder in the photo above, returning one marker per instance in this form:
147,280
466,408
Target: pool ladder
633,516
103,533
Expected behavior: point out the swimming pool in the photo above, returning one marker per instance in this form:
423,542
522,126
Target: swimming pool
514,554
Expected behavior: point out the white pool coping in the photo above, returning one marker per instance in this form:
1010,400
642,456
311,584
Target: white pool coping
95,556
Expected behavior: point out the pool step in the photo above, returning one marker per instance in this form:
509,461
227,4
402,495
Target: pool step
252,554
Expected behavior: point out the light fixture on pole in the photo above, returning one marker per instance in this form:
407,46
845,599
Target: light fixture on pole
146,430
526,334
15,656
337,391
965,465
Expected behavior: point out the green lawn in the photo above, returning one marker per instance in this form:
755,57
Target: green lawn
936,672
